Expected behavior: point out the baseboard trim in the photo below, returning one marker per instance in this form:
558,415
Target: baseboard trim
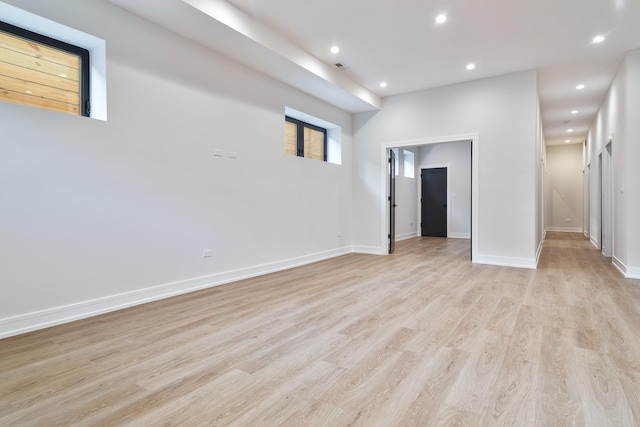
406,236
627,272
632,273
506,261
619,265
565,229
594,241
369,250
539,251
459,235
28,322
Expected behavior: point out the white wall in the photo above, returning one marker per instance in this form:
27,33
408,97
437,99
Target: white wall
540,180
458,156
406,198
631,186
618,119
564,188
502,111
586,219
98,215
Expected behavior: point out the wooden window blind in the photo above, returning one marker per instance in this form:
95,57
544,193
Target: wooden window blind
291,138
305,140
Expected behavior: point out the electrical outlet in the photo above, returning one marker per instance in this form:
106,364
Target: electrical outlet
207,253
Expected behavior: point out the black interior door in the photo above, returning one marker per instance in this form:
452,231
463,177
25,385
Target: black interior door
434,202
392,201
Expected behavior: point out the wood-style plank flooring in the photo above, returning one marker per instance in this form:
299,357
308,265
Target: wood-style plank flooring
419,338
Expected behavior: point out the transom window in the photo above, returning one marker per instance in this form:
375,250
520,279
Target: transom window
305,140
43,72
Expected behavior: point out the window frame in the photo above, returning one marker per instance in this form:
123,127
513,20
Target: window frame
85,66
300,125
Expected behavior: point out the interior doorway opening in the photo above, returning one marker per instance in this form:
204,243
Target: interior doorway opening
456,200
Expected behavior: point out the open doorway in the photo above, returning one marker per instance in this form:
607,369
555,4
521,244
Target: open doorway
463,200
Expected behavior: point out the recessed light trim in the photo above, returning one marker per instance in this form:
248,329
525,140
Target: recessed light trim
580,87
441,18
574,112
569,130
383,84
335,49
598,39
62,75
567,140
471,66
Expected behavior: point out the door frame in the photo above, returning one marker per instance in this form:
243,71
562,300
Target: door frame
607,198
447,166
393,158
383,184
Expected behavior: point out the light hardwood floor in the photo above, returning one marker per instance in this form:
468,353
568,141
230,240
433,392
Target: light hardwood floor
419,338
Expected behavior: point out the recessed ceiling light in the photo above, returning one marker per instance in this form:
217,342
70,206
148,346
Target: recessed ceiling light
580,87
567,140
574,112
441,18
383,84
335,49
62,75
598,39
569,130
471,66
29,92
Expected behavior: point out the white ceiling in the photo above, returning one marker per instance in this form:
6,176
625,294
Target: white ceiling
400,43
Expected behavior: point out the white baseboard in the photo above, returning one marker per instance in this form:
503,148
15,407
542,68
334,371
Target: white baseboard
565,229
594,241
459,235
506,261
632,273
539,251
627,272
23,323
406,236
369,250
619,265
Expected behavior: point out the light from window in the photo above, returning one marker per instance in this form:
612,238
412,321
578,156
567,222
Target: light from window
409,163
42,72
305,140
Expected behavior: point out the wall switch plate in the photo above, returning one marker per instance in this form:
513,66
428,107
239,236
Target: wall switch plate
207,253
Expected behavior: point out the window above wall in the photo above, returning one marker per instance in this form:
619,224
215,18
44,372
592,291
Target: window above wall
44,72
305,140
316,130
93,88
